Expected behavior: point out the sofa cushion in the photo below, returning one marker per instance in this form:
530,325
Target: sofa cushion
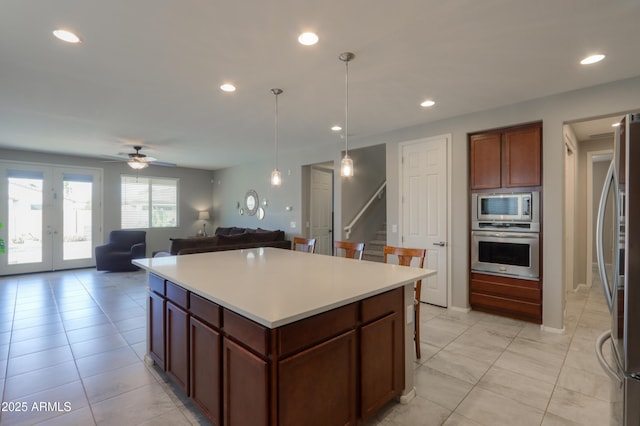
266,236
177,244
234,239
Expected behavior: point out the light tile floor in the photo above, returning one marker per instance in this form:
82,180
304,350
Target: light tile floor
72,346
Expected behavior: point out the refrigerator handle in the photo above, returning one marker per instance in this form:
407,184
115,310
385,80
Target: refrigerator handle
603,363
599,231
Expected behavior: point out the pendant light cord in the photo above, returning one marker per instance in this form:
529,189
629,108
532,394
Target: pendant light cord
346,109
276,132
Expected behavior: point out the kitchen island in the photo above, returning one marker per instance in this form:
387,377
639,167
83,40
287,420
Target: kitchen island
276,337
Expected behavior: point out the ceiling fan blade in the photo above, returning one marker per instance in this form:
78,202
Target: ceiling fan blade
162,163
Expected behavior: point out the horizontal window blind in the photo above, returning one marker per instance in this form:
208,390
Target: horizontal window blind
149,202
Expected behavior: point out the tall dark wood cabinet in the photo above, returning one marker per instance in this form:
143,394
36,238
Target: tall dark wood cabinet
522,157
505,161
486,160
508,158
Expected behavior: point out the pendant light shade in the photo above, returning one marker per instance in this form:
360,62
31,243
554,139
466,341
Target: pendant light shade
346,165
276,176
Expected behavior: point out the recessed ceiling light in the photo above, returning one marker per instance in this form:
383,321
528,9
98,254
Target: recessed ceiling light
66,35
336,128
592,59
228,87
427,103
308,39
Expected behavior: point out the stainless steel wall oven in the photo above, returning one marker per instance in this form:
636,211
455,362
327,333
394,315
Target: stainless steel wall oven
505,237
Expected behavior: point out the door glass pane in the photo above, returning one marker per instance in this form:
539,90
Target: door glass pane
76,214
25,220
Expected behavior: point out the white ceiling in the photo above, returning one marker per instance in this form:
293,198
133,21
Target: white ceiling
148,71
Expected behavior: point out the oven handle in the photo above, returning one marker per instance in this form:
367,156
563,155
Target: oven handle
519,235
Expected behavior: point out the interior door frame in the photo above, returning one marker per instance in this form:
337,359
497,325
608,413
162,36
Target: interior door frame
448,139
322,168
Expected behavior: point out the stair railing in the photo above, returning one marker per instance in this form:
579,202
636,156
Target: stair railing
377,194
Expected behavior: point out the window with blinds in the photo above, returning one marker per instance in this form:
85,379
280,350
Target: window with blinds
148,202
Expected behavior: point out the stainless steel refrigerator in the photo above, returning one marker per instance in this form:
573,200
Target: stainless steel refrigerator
619,266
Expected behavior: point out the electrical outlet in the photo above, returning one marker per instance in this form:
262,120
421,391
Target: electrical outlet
394,228
293,225
409,314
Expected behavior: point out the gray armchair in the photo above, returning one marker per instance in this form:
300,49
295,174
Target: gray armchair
122,248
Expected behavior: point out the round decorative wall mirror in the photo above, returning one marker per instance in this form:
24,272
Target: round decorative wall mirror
251,202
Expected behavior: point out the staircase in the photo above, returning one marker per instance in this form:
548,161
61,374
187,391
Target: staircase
374,249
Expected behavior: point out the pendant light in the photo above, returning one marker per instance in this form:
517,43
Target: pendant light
276,176
346,165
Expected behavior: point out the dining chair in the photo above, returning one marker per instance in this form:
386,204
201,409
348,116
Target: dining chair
405,256
348,249
307,245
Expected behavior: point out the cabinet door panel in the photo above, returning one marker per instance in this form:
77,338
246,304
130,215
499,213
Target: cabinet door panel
156,329
245,386
318,386
522,155
177,336
382,362
486,157
205,365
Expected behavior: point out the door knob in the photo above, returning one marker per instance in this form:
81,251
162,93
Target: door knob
441,244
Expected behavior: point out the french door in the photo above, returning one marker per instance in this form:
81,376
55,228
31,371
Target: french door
50,217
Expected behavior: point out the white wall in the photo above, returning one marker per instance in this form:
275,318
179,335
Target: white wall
195,192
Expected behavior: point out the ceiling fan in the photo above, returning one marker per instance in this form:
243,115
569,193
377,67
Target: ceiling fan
138,161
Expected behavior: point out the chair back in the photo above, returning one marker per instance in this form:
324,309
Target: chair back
125,239
405,256
307,245
348,249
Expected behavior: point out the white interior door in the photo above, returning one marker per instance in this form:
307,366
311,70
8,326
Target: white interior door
50,217
321,208
424,210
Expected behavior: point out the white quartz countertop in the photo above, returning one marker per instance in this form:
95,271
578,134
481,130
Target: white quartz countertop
274,286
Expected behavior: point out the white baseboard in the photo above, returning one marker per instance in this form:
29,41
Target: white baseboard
458,309
552,329
581,285
148,360
406,397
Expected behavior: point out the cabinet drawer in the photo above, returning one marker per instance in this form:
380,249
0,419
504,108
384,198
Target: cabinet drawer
177,295
528,294
382,304
204,309
302,334
502,305
245,331
157,284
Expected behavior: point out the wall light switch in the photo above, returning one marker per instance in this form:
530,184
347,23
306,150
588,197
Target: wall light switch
293,225
394,228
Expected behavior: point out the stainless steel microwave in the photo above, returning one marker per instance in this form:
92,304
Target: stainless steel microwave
520,210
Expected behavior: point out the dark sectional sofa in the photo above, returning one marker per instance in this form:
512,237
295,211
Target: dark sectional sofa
231,238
